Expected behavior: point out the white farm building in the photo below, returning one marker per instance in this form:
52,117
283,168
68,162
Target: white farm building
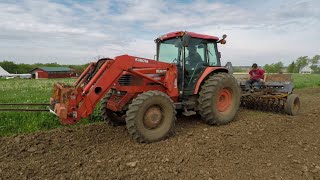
306,70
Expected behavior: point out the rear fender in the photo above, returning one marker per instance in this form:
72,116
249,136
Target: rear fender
206,74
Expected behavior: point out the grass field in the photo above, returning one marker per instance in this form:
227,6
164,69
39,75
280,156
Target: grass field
28,91
35,91
306,80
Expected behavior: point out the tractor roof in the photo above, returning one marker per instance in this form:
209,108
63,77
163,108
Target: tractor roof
192,34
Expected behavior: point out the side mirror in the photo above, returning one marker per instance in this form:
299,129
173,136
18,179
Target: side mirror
186,40
223,40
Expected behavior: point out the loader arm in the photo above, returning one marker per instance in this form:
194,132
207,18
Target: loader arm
71,103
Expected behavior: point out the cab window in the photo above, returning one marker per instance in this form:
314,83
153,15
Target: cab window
212,55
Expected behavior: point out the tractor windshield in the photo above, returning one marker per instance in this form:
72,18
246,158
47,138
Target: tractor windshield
170,51
200,52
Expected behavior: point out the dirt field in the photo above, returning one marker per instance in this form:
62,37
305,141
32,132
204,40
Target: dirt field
257,145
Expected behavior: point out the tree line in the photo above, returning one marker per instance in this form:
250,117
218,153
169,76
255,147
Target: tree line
278,67
296,65
14,68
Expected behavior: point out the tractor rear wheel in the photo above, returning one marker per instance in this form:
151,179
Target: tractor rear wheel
292,105
151,117
219,99
111,117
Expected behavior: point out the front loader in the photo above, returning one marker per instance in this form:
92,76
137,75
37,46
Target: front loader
144,94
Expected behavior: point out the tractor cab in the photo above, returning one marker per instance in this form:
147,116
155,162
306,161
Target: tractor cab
192,53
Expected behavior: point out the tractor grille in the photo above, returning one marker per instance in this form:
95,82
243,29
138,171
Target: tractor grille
125,80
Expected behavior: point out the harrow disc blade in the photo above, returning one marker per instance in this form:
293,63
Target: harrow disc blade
263,103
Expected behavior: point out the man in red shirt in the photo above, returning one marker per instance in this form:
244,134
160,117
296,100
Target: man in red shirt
256,76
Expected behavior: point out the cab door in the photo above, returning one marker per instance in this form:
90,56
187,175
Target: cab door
208,52
194,64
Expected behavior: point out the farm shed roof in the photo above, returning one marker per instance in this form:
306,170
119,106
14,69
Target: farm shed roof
3,72
53,69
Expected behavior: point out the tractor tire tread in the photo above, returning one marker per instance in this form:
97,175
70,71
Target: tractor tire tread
132,113
208,90
104,112
289,107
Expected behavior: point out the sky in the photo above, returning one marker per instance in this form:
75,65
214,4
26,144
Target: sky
77,32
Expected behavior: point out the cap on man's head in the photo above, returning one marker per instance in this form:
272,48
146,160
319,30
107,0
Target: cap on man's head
254,65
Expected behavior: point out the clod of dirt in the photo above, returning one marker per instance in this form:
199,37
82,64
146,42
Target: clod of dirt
304,168
132,164
17,140
290,156
179,160
316,169
201,142
190,134
296,161
165,160
217,152
32,149
269,164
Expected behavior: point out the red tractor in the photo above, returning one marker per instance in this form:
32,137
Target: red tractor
144,94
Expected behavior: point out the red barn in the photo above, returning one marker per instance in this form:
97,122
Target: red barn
52,72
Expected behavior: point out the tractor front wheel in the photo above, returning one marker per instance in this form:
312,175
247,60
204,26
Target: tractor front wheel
151,117
219,99
111,117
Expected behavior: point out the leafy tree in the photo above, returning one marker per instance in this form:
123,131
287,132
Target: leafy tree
267,68
274,67
315,63
291,67
301,62
238,69
9,66
12,67
315,60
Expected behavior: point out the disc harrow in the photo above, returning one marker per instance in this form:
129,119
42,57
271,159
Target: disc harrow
274,95
271,103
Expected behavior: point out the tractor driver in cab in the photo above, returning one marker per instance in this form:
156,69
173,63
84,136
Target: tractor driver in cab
257,76
194,64
194,59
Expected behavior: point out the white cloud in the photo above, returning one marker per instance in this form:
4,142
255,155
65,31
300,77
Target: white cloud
77,32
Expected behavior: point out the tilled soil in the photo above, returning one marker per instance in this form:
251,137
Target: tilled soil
256,145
